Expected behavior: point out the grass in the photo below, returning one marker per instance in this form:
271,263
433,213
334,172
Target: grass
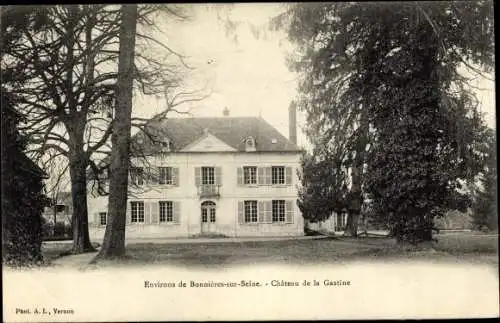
454,248
54,250
459,247
57,249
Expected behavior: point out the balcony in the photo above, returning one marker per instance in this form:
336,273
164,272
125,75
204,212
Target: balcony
208,190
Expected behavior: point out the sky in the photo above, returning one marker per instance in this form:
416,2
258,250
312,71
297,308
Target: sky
249,77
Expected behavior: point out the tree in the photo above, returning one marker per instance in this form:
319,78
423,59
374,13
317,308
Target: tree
321,191
337,117
22,180
485,207
397,67
23,201
114,237
68,105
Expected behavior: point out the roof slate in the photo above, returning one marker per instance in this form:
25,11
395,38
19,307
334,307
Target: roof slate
232,130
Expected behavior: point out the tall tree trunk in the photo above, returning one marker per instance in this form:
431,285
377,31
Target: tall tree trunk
356,194
80,225
114,237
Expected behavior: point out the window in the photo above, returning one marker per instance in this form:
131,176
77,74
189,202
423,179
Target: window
102,218
165,175
137,175
250,211
137,212
165,146
250,175
207,175
166,211
250,144
278,211
278,175
212,215
208,212
341,221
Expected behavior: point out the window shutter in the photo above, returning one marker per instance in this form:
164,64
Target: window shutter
197,176
268,176
129,212
289,211
155,213
261,211
218,175
261,175
241,213
147,212
268,212
240,176
176,206
288,175
175,176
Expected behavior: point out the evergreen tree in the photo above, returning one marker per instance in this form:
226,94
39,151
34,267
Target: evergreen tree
22,180
321,191
389,73
485,207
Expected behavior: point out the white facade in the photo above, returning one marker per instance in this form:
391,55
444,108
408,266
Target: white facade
335,223
237,210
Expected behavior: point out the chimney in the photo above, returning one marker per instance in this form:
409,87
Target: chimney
292,122
225,112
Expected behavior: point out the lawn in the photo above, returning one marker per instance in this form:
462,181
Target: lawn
455,248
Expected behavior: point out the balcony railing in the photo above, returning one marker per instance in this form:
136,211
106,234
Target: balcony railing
208,190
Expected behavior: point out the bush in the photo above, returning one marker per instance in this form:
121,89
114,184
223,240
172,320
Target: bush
60,231
47,228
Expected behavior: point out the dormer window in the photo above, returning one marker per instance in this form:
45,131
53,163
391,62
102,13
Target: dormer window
250,144
165,146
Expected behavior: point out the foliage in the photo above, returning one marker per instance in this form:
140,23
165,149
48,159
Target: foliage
398,64
58,231
22,198
321,191
485,207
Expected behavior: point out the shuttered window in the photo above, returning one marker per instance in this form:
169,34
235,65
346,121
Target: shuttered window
278,209
102,218
251,211
278,175
166,211
249,175
137,175
207,175
137,212
165,175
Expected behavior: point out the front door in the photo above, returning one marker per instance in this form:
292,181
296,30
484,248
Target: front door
208,217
